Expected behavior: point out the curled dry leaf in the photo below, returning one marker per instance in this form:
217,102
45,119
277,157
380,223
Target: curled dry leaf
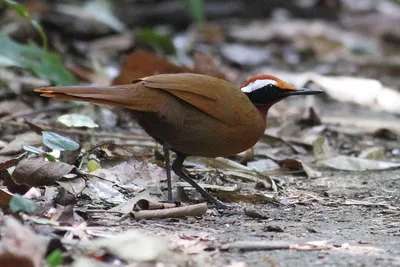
20,246
152,194
144,204
192,210
35,172
297,165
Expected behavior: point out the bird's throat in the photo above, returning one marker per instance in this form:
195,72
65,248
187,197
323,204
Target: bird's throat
263,109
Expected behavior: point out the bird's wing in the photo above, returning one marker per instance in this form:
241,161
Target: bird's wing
203,92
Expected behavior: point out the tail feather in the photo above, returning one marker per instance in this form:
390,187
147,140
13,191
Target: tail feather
130,96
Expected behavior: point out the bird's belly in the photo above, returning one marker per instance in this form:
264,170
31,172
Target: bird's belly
193,132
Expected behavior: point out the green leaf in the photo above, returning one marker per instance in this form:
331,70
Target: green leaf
18,8
93,165
76,120
33,150
50,157
10,53
39,151
44,64
41,32
59,142
18,203
159,40
55,258
196,10
47,65
23,12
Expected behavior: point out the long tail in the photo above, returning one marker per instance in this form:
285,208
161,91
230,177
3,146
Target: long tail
111,95
131,96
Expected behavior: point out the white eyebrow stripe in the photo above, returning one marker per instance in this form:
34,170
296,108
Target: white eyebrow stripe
257,84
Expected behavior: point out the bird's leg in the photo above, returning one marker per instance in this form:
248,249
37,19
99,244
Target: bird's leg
168,170
177,168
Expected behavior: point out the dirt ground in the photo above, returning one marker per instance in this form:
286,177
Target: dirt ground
359,234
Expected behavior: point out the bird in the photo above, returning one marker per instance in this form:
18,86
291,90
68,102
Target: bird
191,114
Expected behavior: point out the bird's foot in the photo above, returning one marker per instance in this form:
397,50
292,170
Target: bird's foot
221,205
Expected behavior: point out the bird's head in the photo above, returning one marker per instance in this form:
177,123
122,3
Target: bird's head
266,90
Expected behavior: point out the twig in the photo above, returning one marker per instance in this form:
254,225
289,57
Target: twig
258,245
80,132
192,210
274,245
197,227
144,204
36,111
103,211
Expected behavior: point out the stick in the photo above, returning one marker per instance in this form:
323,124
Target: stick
192,210
79,132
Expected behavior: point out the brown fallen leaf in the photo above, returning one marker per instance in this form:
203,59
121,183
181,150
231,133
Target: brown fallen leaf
5,198
36,172
205,64
11,185
142,63
7,161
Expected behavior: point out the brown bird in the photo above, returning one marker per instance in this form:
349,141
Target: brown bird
191,114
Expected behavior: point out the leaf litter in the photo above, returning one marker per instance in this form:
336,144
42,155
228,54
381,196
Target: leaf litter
289,178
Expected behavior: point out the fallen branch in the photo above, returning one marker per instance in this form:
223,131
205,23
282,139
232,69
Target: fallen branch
144,204
274,245
78,132
192,210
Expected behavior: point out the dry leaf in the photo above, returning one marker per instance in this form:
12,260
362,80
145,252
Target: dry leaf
27,139
36,172
140,64
357,164
134,246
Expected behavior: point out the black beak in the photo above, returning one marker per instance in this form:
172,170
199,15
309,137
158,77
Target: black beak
301,91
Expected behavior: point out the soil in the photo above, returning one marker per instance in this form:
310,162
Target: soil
359,235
